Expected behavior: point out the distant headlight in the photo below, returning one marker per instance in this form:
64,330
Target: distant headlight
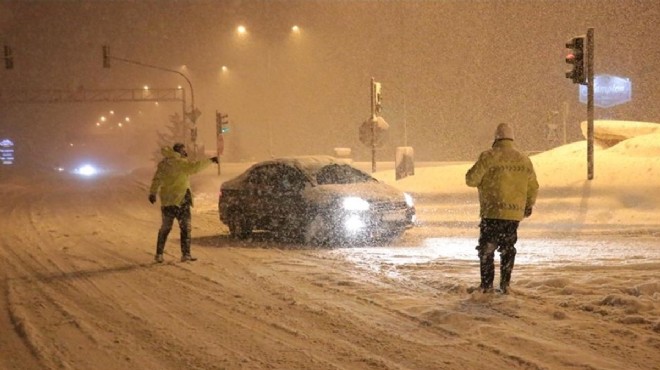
409,199
355,204
86,170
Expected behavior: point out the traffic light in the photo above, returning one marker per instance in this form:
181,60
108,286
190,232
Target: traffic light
222,123
9,58
106,56
379,98
577,59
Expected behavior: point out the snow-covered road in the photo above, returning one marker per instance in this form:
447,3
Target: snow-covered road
80,291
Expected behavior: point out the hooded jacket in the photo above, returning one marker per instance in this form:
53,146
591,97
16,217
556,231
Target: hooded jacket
172,177
506,182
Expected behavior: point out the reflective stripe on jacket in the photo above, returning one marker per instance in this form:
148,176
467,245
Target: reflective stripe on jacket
171,178
506,182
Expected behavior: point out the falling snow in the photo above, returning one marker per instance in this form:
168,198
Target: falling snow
77,233
80,290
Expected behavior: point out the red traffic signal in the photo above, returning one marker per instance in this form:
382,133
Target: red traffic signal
576,58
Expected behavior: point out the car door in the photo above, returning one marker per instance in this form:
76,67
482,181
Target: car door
288,203
259,194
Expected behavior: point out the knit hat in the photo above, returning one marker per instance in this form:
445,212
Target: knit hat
178,146
503,131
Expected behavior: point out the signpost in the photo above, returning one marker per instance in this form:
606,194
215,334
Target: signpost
590,103
220,121
582,72
373,131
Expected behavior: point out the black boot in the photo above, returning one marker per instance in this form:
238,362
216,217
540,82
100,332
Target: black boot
507,260
162,239
487,266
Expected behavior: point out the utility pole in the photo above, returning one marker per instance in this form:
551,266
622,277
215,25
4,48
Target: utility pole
373,125
372,130
564,118
590,103
376,108
581,59
221,122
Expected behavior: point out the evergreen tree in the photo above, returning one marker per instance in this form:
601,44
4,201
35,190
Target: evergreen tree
178,131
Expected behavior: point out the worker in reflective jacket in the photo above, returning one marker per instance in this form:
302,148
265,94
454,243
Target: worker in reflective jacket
507,186
171,181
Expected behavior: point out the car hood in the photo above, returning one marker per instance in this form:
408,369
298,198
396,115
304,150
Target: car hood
373,192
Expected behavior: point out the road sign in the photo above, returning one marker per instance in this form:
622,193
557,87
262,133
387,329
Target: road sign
373,132
194,114
608,91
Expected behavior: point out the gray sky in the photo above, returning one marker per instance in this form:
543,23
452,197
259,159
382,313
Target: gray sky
450,70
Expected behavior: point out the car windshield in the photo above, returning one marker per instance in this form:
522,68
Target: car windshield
341,174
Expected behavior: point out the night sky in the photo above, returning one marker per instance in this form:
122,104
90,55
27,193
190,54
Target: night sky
450,71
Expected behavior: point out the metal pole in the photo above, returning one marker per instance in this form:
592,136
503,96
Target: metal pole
218,132
183,108
590,103
564,119
405,122
269,117
373,125
193,115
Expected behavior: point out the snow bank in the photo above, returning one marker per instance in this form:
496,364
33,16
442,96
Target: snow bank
608,133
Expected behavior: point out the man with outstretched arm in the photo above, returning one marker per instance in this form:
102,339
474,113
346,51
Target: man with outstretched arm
171,181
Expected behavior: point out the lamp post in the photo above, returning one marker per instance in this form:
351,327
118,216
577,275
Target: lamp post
242,32
194,112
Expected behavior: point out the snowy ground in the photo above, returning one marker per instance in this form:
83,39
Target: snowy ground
80,290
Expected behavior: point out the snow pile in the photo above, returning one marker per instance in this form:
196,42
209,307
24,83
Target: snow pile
623,194
608,133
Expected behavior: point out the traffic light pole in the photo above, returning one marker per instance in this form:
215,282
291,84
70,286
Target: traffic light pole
373,125
590,103
193,112
220,121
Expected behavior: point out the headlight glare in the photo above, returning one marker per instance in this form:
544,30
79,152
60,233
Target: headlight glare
355,204
86,170
354,224
409,199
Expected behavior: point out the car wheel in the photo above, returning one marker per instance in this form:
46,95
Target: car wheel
239,227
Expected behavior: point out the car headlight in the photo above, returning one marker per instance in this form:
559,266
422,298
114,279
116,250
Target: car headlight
355,204
354,224
86,170
409,200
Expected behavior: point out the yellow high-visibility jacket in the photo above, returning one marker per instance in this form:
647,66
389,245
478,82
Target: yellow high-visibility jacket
171,179
506,182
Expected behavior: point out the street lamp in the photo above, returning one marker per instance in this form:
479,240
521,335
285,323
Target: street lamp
242,32
194,112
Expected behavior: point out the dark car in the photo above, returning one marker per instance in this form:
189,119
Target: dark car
315,199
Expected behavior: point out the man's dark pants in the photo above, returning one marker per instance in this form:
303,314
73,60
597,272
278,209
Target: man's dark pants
182,214
494,234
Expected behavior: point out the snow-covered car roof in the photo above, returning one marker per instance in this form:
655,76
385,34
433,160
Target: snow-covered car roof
310,165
